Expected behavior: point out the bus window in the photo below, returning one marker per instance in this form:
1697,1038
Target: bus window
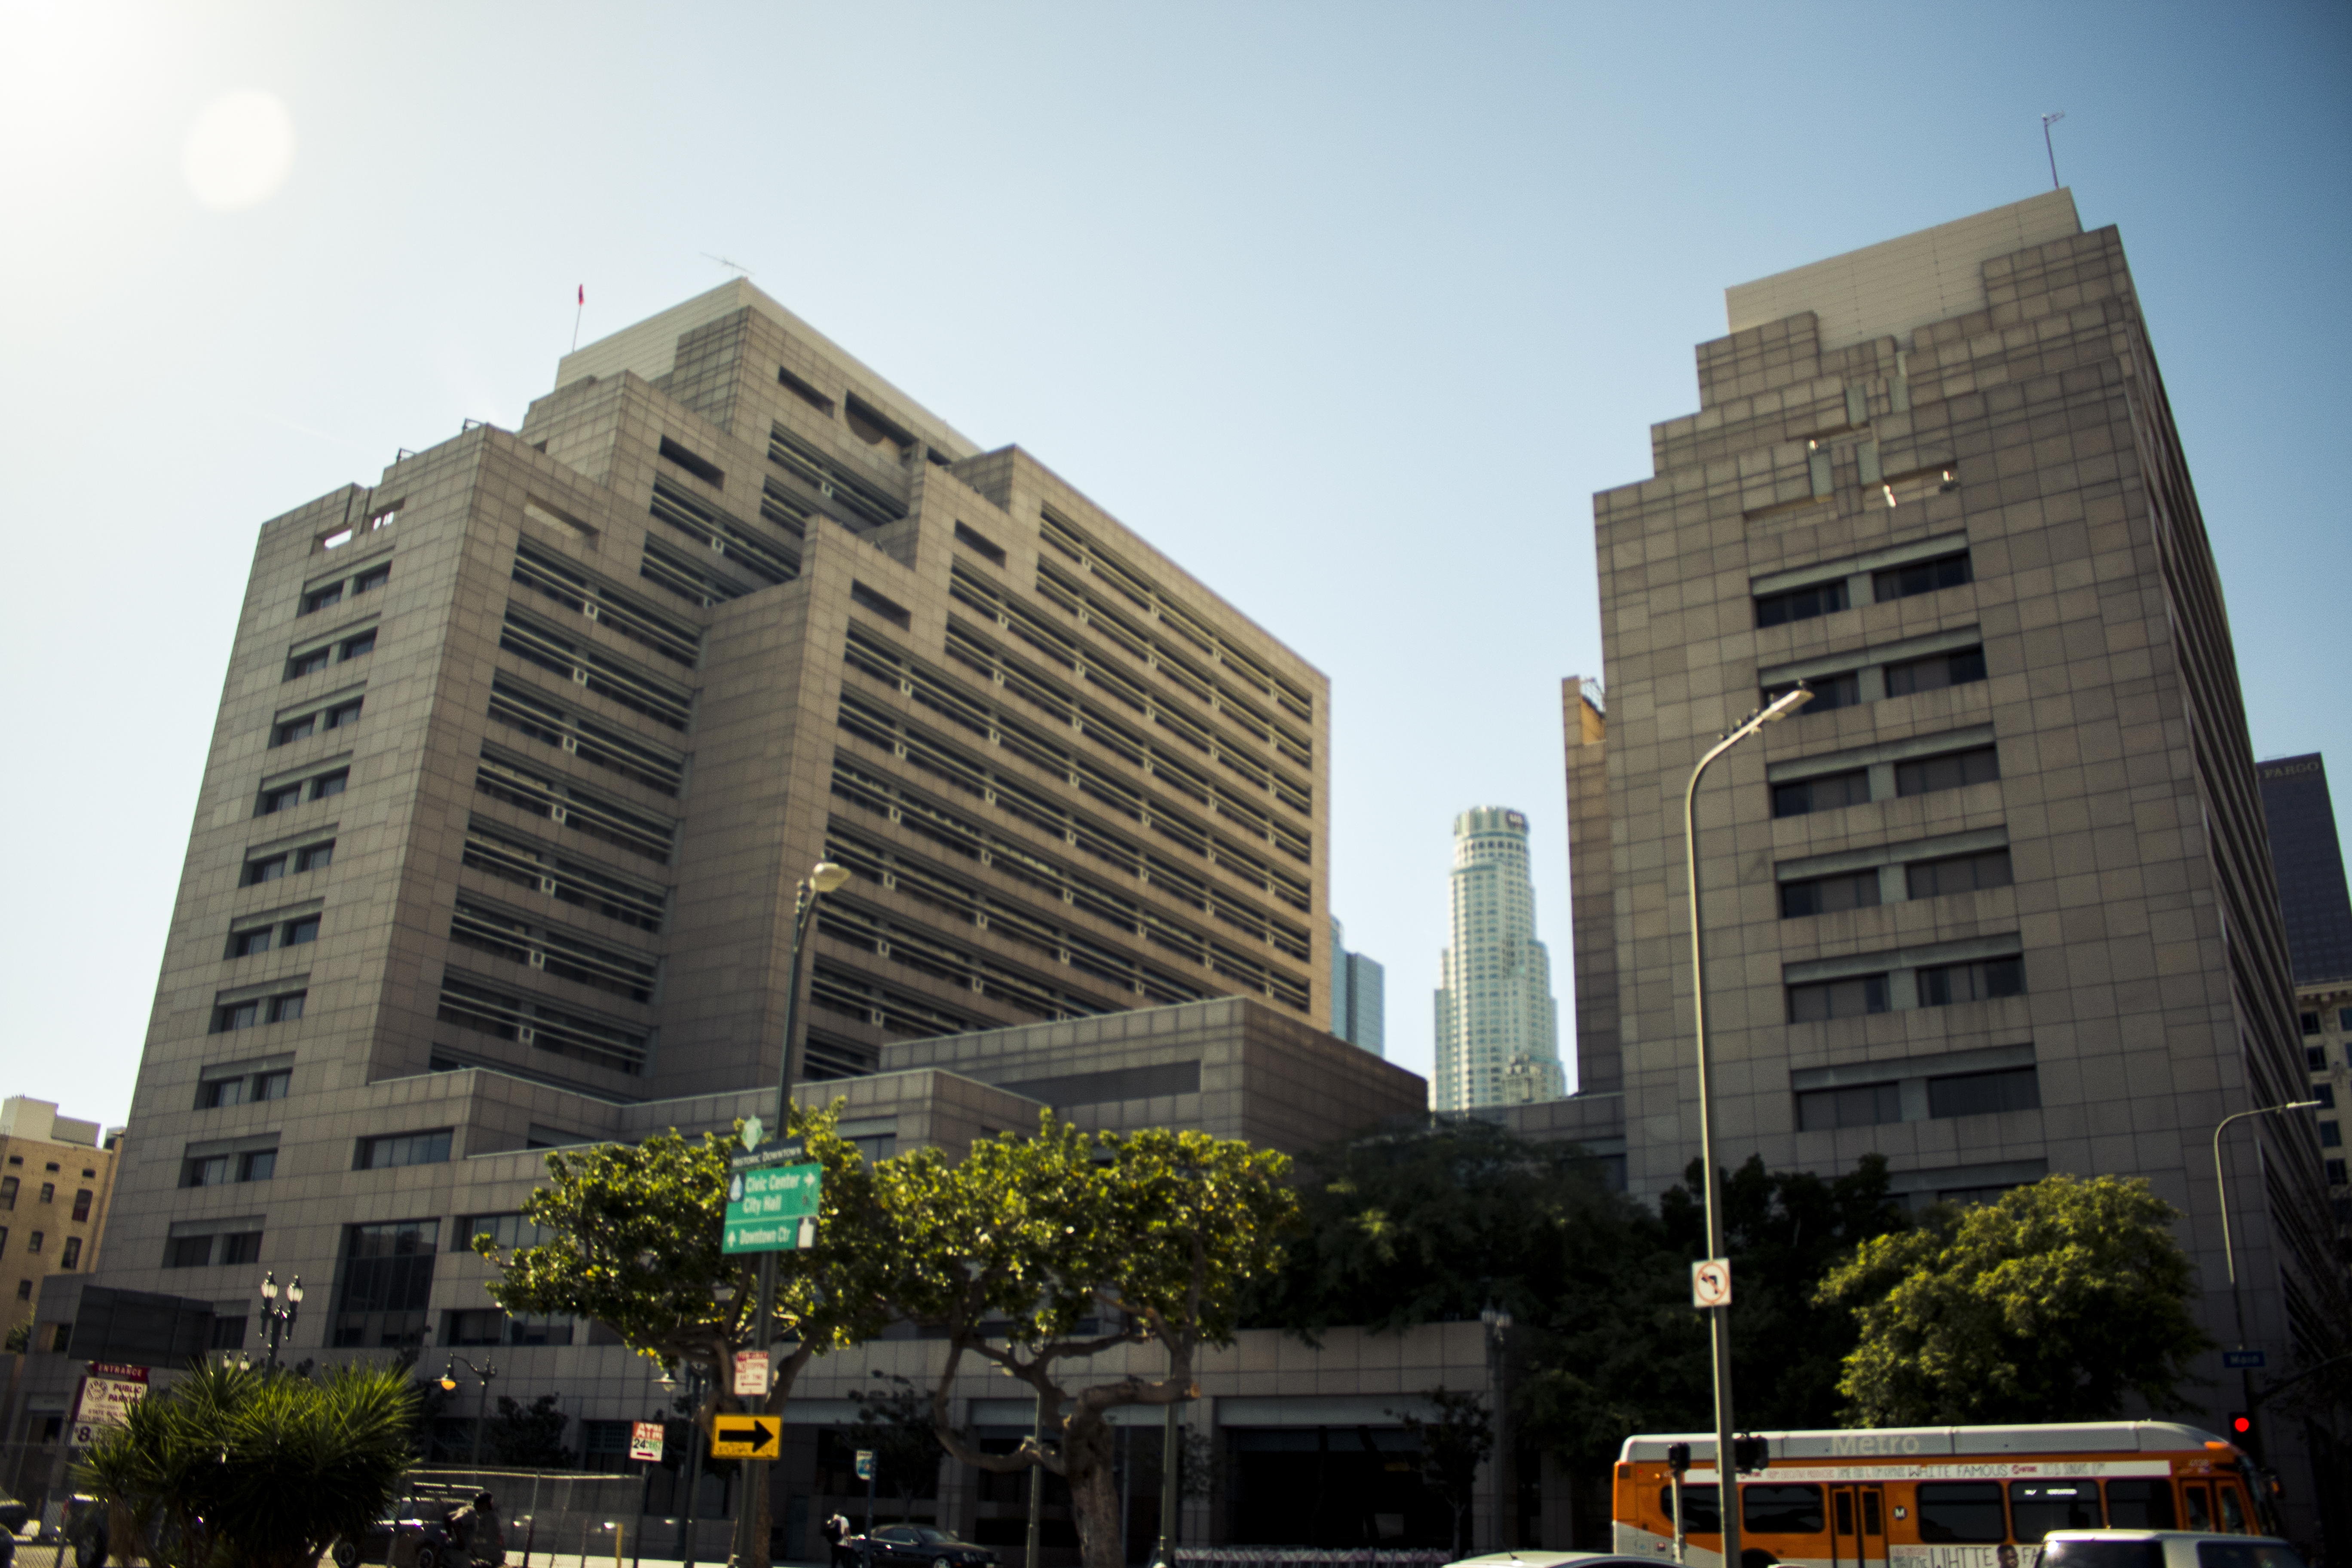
2105,1554
2201,1506
1700,1501
2041,1506
1961,1510
2233,1508
1780,1511
2246,1555
1844,1512
2140,1505
1871,1522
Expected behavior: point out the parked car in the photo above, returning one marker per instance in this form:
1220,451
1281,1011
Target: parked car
13,1514
907,1545
2164,1548
413,1543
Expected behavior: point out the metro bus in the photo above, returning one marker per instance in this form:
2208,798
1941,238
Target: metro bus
1939,1497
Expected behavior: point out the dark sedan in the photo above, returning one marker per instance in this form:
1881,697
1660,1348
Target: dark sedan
919,1546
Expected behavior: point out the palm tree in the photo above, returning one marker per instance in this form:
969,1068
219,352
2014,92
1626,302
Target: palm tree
253,1467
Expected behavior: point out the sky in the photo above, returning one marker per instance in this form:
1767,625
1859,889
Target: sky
1349,308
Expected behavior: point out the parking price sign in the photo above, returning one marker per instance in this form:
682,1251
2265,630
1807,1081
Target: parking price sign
771,1208
645,1440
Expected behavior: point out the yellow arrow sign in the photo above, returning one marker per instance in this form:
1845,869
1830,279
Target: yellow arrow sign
746,1437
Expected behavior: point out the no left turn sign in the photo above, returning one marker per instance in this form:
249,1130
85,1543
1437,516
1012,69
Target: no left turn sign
1711,1282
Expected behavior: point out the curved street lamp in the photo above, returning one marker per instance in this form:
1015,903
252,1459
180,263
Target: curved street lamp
1727,1473
482,1408
2229,1252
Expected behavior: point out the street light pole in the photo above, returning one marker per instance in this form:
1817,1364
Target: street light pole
824,878
1727,1473
2229,1252
278,1317
482,1406
1498,1323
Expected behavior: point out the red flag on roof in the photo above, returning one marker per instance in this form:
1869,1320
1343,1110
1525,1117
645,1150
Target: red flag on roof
583,293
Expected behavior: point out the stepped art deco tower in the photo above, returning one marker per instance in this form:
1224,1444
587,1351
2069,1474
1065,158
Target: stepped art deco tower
1497,1025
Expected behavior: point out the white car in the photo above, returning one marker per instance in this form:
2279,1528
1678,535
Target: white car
2163,1549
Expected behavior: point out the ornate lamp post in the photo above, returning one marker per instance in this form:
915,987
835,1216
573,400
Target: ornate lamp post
482,1408
279,1311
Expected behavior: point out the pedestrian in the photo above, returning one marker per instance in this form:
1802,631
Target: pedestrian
837,1538
479,1534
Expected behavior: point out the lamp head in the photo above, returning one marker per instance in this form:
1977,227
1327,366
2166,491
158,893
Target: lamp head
449,1377
294,1291
827,878
269,1286
1787,702
2301,1105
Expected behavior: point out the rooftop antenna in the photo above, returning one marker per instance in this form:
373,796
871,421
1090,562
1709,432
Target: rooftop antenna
724,262
2047,122
576,314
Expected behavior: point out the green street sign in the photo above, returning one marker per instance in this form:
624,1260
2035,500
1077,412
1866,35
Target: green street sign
772,1209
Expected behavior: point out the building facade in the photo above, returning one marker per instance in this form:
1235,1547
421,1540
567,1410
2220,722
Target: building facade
57,1183
2319,914
1497,1025
1997,902
1359,996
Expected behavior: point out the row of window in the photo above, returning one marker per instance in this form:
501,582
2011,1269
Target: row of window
69,1255
1894,583
268,864
318,596
317,721
1949,1094
243,1087
1943,986
252,1012
1922,775
286,795
247,939
48,1194
220,1169
309,658
1922,880
2310,1021
1952,1512
1844,689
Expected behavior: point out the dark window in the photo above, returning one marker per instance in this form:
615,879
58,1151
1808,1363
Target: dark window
702,468
403,1149
299,931
320,598
49,1190
255,1011
267,869
1829,793
8,1193
506,1231
33,1242
1863,1105
1825,999
1925,577
1780,1511
82,1200
888,608
330,783
369,581
2310,1023
2240,1553
315,857
244,943
309,663
257,1165
284,797
2139,1505
273,1085
2037,1507
1935,672
188,1252
1961,1510
1829,691
805,391
387,1276
1961,874
239,1015
474,1326
2336,1172
70,1254
355,646
1951,771
972,539
1699,1502
2331,1135
1801,603
1978,981
2326,1094
206,1173
340,714
2106,1553
228,1333
295,730
1827,895
2315,1058
1985,1093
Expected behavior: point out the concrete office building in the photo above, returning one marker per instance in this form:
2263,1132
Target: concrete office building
520,756
1359,996
1497,1025
2319,914
57,1183
1998,902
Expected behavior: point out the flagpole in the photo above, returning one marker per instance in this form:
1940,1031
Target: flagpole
575,318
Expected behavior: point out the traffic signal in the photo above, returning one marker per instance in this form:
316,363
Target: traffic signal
1678,1457
2241,1424
1750,1454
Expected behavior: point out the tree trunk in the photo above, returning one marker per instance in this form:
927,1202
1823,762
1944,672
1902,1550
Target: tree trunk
1094,1493
760,1474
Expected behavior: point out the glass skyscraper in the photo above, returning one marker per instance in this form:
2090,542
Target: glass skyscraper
1359,995
1497,1025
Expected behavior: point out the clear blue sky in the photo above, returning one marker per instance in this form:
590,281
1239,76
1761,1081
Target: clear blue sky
1350,308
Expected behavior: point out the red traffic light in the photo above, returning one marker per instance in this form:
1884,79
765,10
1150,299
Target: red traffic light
2241,1424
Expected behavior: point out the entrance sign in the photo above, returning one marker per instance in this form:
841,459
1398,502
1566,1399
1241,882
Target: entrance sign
645,1440
772,1208
746,1437
105,1398
752,1371
1711,1282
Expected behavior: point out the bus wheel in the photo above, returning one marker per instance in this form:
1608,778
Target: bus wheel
1756,1557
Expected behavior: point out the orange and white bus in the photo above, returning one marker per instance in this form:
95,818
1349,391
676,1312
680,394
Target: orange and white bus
1938,1497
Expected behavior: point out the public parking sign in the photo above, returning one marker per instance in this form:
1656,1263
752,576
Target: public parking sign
772,1208
105,1399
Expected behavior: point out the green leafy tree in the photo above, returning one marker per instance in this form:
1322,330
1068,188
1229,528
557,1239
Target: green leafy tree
528,1436
1453,1443
2059,1302
253,1467
20,1337
1037,1253
895,1421
634,1240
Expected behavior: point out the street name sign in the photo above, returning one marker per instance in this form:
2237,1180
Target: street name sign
790,1152
2249,1359
645,1440
772,1208
747,1437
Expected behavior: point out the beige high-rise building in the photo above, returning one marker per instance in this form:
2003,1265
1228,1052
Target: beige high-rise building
57,1181
1997,903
